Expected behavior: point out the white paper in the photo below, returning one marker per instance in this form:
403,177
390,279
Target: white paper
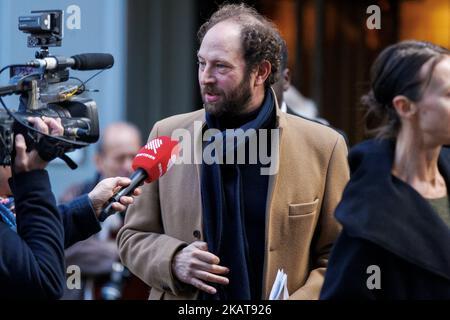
279,289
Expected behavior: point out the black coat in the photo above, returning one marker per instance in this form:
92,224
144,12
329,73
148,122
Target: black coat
32,260
388,224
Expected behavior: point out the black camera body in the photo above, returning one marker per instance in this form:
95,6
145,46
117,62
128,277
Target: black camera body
79,117
46,89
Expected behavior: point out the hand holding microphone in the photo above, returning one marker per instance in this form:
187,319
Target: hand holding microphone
151,163
105,189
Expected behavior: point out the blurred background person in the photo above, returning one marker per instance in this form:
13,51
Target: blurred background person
97,255
289,99
294,103
395,211
119,143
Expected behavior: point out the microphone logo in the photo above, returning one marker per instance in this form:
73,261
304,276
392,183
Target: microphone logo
149,166
157,156
154,145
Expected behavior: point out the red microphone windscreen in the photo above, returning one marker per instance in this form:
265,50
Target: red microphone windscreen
156,157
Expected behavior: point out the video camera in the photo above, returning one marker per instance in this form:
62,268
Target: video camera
46,89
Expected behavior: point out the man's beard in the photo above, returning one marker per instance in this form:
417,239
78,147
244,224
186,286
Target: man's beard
234,103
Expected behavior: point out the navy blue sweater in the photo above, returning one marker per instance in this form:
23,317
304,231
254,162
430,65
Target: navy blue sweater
32,260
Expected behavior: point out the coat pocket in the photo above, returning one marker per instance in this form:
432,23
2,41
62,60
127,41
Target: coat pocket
302,209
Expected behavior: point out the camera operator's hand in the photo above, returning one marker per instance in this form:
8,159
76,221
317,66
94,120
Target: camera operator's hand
105,189
28,161
47,125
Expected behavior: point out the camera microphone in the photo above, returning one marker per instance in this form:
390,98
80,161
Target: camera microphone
85,61
93,61
151,163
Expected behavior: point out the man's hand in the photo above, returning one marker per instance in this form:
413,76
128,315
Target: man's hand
194,265
28,161
105,189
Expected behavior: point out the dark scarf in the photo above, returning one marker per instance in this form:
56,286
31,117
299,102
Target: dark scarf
223,207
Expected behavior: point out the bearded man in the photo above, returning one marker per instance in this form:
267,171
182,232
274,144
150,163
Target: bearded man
221,229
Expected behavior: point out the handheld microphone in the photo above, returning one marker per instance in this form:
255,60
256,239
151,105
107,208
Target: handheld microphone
151,163
85,61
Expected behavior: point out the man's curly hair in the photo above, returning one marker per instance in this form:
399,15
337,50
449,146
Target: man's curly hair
260,37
